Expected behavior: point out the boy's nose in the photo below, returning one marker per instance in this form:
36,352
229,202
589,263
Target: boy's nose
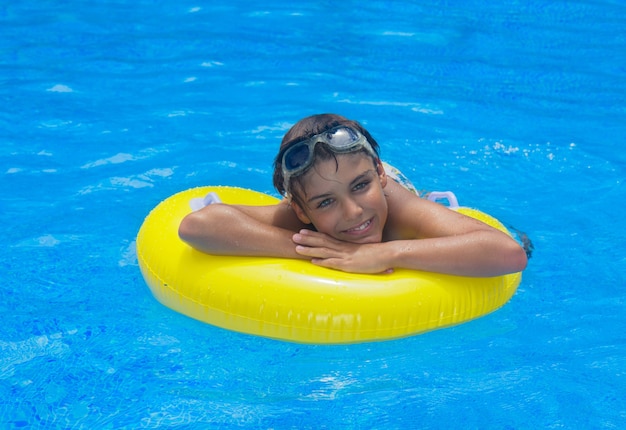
352,209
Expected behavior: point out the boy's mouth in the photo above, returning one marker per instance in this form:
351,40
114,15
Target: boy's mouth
359,228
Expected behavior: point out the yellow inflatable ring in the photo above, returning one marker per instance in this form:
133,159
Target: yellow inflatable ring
295,300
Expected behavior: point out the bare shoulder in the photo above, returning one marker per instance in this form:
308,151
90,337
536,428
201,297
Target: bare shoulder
412,217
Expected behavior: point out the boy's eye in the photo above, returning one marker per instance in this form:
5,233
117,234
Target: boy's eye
361,185
324,203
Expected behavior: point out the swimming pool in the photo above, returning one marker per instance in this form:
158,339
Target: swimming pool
109,108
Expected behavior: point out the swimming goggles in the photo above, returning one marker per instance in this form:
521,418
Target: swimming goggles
299,157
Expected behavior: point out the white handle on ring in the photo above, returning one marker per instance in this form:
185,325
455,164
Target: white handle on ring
453,203
200,202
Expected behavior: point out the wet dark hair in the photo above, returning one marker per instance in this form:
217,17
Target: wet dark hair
307,128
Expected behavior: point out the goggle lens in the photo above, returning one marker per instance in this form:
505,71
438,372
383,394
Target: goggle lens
300,156
342,138
297,157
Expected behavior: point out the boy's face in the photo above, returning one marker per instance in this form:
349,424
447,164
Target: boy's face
345,200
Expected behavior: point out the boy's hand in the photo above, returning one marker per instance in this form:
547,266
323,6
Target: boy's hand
329,252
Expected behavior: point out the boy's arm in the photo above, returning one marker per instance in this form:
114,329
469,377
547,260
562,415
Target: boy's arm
481,253
420,235
450,242
242,230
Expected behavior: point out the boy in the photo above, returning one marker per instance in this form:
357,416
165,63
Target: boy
342,211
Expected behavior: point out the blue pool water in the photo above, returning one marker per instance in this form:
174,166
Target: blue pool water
110,107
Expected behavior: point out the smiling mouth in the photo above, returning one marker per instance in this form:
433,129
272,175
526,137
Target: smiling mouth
360,228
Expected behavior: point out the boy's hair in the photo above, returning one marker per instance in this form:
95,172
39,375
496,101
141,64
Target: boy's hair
307,128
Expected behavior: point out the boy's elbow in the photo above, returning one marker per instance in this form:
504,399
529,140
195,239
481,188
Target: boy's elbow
196,228
518,259
189,228
184,229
